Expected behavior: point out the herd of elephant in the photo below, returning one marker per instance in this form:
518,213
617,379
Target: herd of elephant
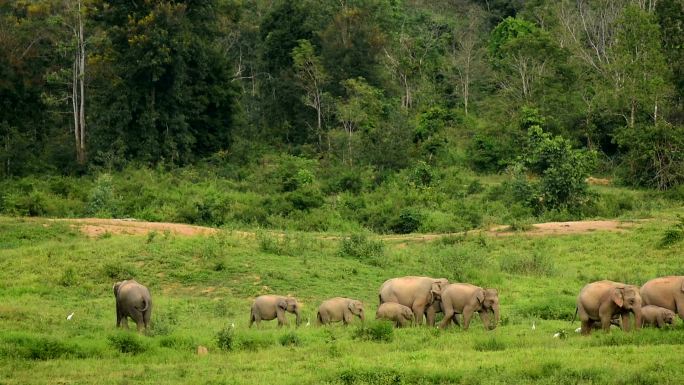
407,300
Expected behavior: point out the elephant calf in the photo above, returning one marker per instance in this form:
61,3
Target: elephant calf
340,309
603,300
466,299
132,300
656,316
401,315
268,307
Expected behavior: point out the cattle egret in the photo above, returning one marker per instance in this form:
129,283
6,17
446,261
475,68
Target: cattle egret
578,330
533,327
232,324
556,335
69,316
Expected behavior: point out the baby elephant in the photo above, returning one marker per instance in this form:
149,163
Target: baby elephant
656,316
132,300
340,309
268,307
400,314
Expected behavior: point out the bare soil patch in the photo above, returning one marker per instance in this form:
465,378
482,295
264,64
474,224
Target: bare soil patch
95,227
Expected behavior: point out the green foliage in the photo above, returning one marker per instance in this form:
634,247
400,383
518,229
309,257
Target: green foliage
491,344
376,331
226,339
358,246
128,343
562,171
289,339
674,234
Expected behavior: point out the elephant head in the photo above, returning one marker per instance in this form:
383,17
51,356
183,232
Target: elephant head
356,307
291,305
628,298
438,285
489,300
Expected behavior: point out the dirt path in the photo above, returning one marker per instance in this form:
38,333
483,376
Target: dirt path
95,227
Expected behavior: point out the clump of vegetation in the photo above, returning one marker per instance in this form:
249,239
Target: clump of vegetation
674,234
289,339
489,345
226,339
377,331
129,343
536,263
358,246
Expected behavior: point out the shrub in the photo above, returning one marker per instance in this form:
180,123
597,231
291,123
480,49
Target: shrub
674,234
225,339
408,221
69,277
126,342
377,331
118,271
358,246
101,201
289,339
39,348
535,264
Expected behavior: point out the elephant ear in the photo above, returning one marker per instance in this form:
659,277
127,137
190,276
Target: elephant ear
618,296
480,296
116,288
282,304
351,306
682,285
436,290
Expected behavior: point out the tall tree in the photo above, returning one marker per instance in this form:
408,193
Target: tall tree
312,78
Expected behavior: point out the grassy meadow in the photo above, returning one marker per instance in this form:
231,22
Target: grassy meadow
201,285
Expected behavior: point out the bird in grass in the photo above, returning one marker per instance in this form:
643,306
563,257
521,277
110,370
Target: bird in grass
69,316
232,325
556,335
578,330
307,322
533,326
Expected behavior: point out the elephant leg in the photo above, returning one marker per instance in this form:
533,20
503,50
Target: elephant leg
467,315
146,318
418,311
124,321
448,315
139,321
679,309
253,317
586,327
282,320
659,321
455,319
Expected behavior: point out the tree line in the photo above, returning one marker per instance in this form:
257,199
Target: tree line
92,84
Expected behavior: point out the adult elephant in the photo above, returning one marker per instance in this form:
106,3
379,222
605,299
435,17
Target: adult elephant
667,292
466,299
600,301
268,307
340,309
416,293
132,300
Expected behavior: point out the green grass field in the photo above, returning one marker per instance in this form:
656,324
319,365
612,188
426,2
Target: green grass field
201,285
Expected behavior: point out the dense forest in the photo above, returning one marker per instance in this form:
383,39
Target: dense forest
316,99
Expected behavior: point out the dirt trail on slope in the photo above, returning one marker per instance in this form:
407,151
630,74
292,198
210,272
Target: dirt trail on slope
95,227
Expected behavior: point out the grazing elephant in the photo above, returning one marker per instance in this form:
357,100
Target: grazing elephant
464,298
268,307
132,300
656,316
600,301
401,315
340,309
418,293
667,292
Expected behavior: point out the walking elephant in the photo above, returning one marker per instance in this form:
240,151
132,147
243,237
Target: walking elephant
132,300
268,307
466,299
600,301
417,293
656,316
667,292
340,309
399,314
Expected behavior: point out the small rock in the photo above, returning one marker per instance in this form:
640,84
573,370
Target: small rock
202,351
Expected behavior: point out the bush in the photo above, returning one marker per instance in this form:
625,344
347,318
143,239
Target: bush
118,271
39,348
535,264
377,331
408,221
102,201
289,339
126,342
359,247
674,234
225,339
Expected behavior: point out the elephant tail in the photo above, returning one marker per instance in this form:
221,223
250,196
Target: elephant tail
319,318
574,316
146,304
379,299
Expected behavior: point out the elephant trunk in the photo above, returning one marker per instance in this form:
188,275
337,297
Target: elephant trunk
497,315
298,313
362,315
637,317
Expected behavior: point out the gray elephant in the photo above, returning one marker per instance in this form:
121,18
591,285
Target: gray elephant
417,293
268,307
132,300
340,309
656,316
466,299
399,314
667,292
602,300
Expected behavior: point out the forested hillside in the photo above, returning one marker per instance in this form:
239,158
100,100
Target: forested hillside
338,106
